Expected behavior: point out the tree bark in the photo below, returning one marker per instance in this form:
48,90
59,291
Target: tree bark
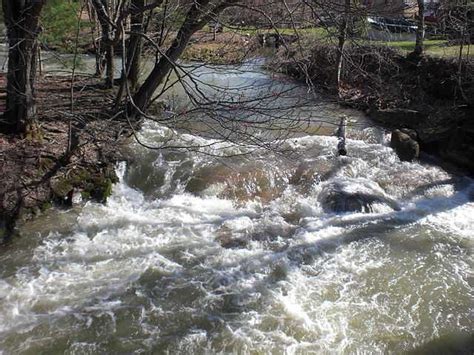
134,50
22,23
110,65
106,44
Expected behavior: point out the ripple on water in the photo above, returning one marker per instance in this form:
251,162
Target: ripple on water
198,270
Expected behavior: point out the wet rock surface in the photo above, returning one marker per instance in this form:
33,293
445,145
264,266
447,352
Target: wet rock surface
354,196
405,145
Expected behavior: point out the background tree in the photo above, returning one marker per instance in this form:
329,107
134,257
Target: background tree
420,30
344,21
105,15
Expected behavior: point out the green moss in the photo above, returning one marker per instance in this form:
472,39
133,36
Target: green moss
110,174
79,176
46,206
61,187
102,189
108,188
94,183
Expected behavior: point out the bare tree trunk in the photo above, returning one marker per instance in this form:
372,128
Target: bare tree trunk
342,41
99,67
134,51
199,14
22,22
143,96
464,35
191,24
420,30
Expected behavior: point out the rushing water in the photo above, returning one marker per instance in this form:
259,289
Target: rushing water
195,253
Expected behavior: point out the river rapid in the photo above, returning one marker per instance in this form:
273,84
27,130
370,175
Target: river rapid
233,248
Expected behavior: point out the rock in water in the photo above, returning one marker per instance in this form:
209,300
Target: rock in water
354,195
405,145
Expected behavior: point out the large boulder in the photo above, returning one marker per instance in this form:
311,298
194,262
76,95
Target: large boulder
405,145
354,195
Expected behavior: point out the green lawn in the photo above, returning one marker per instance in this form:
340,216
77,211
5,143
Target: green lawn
432,47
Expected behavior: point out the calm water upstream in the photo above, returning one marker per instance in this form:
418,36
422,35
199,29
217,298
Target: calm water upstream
195,253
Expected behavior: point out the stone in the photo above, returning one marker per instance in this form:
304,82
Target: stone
353,195
406,147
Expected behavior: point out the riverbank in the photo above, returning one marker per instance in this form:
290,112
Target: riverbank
221,48
427,96
69,157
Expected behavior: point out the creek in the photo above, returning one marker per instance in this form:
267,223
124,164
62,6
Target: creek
231,247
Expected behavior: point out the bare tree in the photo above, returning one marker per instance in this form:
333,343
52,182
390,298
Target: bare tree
420,30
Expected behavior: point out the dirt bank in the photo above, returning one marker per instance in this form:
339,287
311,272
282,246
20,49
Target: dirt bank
397,92
70,156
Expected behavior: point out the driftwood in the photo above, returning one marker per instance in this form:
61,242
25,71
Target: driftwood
341,134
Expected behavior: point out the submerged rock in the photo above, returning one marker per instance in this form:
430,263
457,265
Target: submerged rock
405,144
354,195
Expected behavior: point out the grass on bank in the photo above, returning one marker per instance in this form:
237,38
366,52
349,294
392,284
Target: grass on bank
438,48
435,47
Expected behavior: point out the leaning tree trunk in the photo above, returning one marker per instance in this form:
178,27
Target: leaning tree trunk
198,15
420,30
22,22
143,96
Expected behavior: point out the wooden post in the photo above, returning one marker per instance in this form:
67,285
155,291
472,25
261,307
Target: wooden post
341,133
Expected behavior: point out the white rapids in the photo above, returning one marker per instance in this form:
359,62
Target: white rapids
197,254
